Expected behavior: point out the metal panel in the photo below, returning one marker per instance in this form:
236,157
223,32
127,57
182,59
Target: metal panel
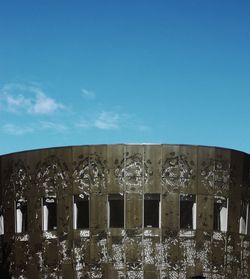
205,171
116,164
116,252
98,211
171,251
152,169
81,254
81,178
218,253
233,256
133,211
203,253
205,212
50,253
170,211
133,172
133,250
235,196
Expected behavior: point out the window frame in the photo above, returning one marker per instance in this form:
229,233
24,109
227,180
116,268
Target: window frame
223,227
48,218
76,215
24,217
184,197
245,230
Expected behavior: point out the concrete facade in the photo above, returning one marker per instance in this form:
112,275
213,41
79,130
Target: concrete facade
200,196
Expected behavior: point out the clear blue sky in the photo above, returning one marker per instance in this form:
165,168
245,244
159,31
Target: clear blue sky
87,72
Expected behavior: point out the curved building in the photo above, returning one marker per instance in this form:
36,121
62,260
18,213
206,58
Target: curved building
126,211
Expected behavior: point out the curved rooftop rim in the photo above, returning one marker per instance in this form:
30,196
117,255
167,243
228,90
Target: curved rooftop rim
125,144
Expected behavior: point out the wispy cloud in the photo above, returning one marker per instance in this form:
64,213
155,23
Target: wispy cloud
107,120
44,105
29,99
15,130
19,130
104,120
87,94
112,120
56,127
83,123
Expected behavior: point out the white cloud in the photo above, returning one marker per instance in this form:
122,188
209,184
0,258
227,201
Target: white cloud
32,100
44,105
14,130
56,127
104,120
83,123
87,94
18,130
29,99
14,103
107,121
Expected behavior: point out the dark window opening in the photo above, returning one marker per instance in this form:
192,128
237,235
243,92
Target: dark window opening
151,210
244,217
187,211
220,214
21,216
81,211
49,214
116,210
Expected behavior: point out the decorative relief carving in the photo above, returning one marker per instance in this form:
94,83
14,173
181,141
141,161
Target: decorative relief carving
117,256
170,256
169,245
65,252
188,249
133,172
215,175
149,252
19,179
245,246
89,173
203,254
52,174
177,172
81,254
135,274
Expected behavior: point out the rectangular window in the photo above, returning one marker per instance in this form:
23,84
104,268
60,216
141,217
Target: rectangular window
187,211
81,211
220,213
244,208
116,210
49,214
21,216
151,210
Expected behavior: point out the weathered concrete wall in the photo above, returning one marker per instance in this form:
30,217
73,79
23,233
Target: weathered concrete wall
132,251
